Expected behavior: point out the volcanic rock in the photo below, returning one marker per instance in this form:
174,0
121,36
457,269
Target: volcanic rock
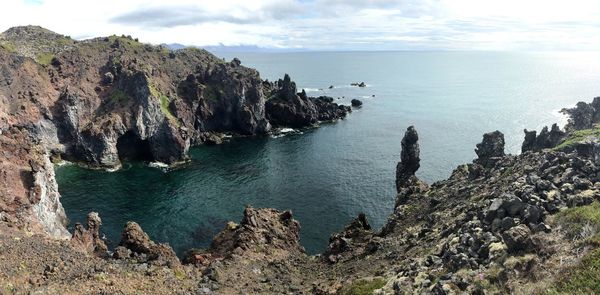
491,149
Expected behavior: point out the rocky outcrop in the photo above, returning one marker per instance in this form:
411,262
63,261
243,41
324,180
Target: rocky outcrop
355,239
583,115
259,228
136,244
89,240
102,101
356,103
546,139
286,107
409,159
491,149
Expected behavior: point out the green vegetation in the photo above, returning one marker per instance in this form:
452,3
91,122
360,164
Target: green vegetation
8,46
578,136
363,287
164,105
118,95
581,222
65,41
581,279
44,58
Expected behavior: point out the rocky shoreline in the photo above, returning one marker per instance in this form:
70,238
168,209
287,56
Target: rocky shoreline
522,224
102,101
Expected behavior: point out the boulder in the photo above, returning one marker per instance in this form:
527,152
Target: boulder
517,238
356,103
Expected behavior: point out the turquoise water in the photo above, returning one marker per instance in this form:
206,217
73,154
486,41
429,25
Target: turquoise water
330,174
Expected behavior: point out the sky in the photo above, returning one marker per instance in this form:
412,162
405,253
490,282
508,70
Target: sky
503,25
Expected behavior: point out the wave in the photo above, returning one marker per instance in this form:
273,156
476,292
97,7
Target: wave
159,165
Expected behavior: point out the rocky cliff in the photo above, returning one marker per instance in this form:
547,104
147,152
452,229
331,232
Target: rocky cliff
101,101
522,224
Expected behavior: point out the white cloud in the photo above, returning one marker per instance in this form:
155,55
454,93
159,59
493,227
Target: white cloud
325,24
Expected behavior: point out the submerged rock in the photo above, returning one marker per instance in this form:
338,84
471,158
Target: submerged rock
356,102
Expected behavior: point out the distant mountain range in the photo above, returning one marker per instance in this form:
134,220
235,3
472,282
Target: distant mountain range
236,48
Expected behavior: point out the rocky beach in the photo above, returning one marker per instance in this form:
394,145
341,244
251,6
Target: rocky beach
520,224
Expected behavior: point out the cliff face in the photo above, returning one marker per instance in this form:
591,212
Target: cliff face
524,223
98,102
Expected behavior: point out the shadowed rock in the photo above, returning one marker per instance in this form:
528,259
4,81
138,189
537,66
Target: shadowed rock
288,108
583,115
546,139
490,149
409,158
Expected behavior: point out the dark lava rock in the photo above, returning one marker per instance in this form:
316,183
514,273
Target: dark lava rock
409,157
287,108
490,149
356,103
546,139
583,115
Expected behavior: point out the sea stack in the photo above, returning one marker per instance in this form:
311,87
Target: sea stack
409,159
490,149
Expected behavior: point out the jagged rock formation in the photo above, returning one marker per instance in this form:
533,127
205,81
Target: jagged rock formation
546,139
286,107
136,244
409,158
101,101
491,148
502,224
89,239
583,115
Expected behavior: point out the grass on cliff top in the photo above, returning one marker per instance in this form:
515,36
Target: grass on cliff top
164,105
578,136
363,287
8,46
581,223
44,58
584,278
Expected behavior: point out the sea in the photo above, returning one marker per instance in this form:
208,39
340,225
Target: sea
328,175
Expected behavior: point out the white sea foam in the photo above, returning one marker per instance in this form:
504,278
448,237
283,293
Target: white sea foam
159,165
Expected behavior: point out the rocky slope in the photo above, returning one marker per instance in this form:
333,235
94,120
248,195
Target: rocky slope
98,102
522,224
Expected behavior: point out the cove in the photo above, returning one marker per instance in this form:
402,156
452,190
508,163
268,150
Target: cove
187,206
330,174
